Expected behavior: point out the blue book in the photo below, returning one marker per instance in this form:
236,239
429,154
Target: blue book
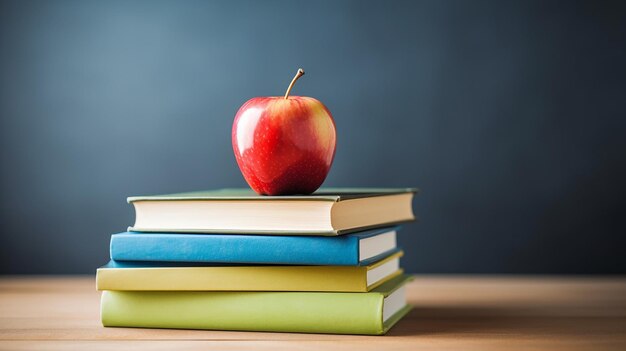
347,250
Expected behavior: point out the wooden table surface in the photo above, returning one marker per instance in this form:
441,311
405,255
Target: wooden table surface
451,312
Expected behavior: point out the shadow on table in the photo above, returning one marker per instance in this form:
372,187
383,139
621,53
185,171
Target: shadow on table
448,320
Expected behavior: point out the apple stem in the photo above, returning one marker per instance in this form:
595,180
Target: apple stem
299,74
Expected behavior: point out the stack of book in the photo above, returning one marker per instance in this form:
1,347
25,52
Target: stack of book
234,260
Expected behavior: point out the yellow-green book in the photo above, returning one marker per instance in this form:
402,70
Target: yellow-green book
143,277
371,313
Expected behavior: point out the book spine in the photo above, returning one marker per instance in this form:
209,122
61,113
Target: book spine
245,278
256,249
298,312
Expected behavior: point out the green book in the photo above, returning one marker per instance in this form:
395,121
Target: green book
330,211
370,313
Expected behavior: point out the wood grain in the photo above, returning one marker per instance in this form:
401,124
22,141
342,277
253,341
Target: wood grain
452,312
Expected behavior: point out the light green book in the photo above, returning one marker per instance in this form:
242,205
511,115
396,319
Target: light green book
330,211
371,313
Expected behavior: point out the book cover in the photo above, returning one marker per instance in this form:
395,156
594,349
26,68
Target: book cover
153,277
360,248
371,313
322,194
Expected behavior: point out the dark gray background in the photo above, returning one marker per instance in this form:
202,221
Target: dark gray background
510,116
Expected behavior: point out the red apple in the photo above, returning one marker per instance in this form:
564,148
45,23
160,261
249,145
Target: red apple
284,144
